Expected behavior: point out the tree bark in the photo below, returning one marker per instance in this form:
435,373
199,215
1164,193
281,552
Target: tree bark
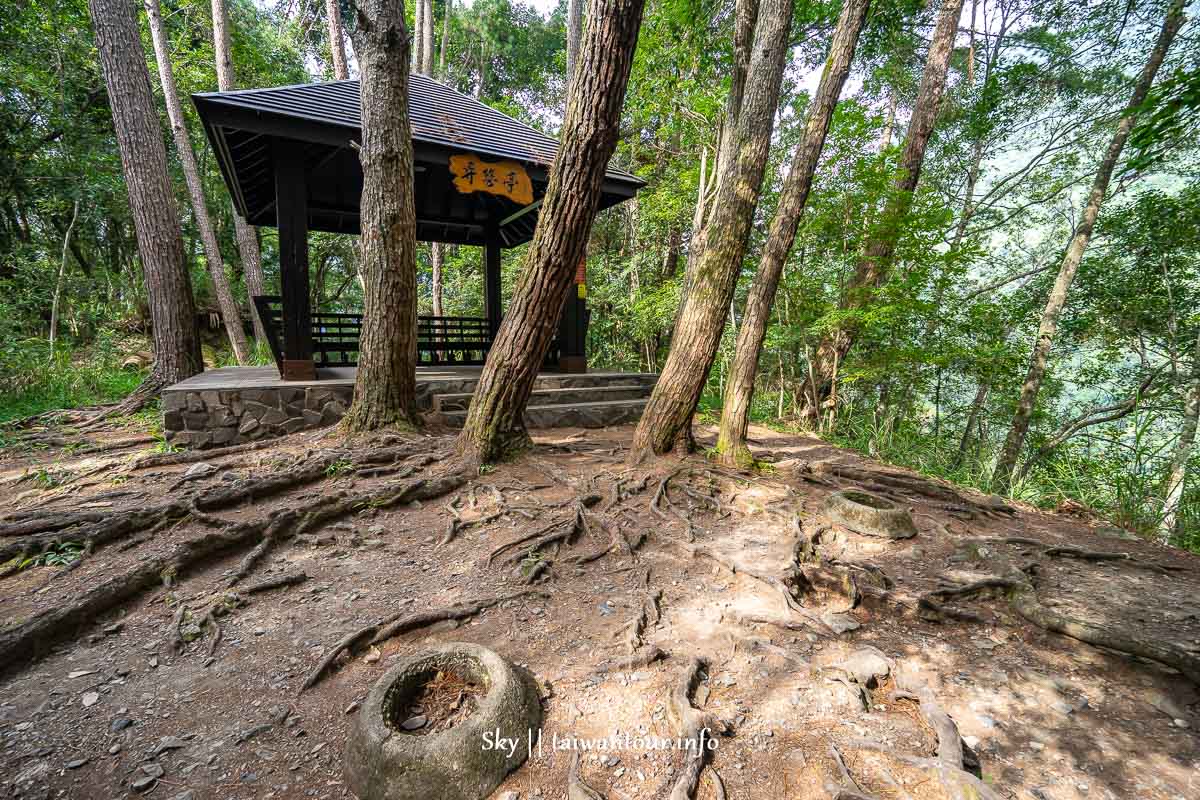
246,236
446,14
418,40
744,21
427,37
574,35
739,394
1177,474
873,267
385,386
151,201
667,417
1015,441
337,40
231,314
495,425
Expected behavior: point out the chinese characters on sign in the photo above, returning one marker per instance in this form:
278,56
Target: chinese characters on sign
503,178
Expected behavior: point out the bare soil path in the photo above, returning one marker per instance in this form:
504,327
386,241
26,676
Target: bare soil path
169,657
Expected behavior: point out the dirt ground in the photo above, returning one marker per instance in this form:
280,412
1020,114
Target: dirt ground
129,701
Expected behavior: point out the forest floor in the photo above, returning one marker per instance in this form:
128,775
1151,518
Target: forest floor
161,660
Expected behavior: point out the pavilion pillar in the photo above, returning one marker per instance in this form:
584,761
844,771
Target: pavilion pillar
291,207
572,328
491,281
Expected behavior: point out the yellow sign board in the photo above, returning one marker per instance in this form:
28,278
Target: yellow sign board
503,178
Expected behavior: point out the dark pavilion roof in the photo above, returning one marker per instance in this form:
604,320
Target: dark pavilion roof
244,126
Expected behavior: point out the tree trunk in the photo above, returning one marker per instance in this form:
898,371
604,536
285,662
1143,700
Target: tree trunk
62,271
427,37
1177,475
1015,440
151,201
231,314
745,19
247,237
872,268
667,417
495,424
337,40
446,14
574,35
735,417
981,393
418,39
385,387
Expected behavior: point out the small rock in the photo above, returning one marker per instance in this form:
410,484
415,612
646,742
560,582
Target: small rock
114,628
1180,722
866,664
90,699
116,748
1038,746
120,724
77,763
79,673
612,761
414,723
840,623
143,784
372,656
259,631
168,743
153,769
350,709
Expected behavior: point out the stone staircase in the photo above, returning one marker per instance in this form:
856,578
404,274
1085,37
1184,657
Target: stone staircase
594,400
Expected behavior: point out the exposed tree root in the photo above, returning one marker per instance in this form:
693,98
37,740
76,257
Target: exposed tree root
785,587
847,789
278,582
643,657
30,639
1019,590
920,486
577,788
967,786
400,623
693,726
195,456
560,531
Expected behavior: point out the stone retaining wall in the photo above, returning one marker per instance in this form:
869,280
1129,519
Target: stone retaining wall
218,417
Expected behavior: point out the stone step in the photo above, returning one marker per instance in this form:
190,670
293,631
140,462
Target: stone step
597,414
459,401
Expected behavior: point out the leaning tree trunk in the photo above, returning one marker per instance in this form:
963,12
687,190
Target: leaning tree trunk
385,386
495,424
1002,477
739,393
1177,475
151,200
446,14
668,413
873,267
247,238
745,18
231,314
337,40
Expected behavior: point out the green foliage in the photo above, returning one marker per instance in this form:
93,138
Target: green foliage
34,380
58,554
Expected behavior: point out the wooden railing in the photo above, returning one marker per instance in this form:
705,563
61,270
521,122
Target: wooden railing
440,340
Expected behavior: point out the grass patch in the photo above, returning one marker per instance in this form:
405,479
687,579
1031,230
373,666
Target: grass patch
34,380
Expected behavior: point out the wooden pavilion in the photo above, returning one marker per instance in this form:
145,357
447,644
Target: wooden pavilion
287,155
